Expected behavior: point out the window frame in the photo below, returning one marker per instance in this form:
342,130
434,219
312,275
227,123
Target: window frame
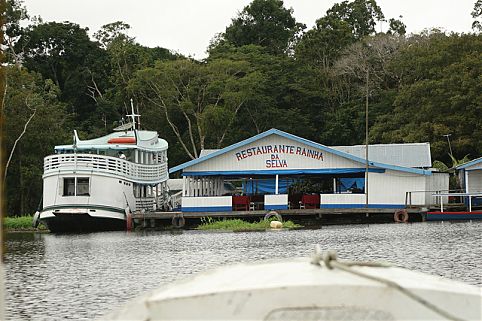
85,183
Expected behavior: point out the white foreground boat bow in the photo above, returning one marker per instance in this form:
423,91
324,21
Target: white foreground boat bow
297,289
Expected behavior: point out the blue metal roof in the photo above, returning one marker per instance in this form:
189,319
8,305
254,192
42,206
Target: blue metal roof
471,163
278,132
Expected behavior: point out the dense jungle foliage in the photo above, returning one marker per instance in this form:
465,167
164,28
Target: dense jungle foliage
265,71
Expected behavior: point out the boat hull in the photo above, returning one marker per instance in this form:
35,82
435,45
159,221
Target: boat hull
453,216
81,220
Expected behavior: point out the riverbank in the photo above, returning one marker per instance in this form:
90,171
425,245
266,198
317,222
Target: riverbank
240,225
21,223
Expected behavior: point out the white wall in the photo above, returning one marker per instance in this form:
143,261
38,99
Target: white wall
206,204
390,187
475,181
342,199
104,190
437,182
278,201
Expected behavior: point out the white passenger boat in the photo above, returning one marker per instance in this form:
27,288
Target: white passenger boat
96,184
322,288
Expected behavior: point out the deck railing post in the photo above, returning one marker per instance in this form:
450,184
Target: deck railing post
276,188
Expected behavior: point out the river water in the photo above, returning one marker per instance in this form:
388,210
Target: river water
82,276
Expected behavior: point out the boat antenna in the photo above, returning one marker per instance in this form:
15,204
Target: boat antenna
138,119
133,115
76,139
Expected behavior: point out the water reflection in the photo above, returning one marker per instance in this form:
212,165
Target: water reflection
79,277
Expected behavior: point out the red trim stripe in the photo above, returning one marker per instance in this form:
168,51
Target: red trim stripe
122,140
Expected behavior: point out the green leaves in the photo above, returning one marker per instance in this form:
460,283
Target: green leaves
35,122
266,23
200,101
440,93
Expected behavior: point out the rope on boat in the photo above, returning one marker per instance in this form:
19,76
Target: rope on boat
331,261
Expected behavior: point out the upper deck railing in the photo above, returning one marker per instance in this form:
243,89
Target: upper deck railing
139,173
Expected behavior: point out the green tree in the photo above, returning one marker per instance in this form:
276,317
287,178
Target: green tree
35,122
15,15
343,25
125,57
265,23
476,14
397,27
113,31
322,45
439,93
287,96
64,53
361,15
199,101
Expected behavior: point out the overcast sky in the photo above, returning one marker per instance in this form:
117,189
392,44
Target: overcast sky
187,26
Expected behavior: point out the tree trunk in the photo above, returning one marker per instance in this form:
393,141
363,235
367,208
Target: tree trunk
21,182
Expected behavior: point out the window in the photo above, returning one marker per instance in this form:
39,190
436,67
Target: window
82,188
69,186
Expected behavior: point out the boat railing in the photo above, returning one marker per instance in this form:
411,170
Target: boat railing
146,203
468,196
423,197
106,164
433,198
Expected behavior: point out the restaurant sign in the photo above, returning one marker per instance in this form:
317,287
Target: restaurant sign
277,154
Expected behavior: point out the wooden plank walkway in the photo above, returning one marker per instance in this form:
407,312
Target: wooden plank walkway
261,213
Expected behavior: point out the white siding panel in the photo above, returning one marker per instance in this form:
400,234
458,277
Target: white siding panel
437,182
475,181
390,188
343,198
50,191
212,201
104,190
280,199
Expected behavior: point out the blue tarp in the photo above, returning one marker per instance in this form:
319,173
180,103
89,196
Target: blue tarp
266,186
350,183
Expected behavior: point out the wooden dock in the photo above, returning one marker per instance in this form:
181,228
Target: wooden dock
320,215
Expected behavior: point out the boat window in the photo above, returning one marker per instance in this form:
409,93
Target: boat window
83,186
69,186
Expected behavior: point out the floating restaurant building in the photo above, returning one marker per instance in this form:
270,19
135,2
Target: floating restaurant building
276,170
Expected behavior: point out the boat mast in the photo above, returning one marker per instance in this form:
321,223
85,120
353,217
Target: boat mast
133,115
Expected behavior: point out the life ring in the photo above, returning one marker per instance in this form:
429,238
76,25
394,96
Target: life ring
400,216
178,221
273,214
